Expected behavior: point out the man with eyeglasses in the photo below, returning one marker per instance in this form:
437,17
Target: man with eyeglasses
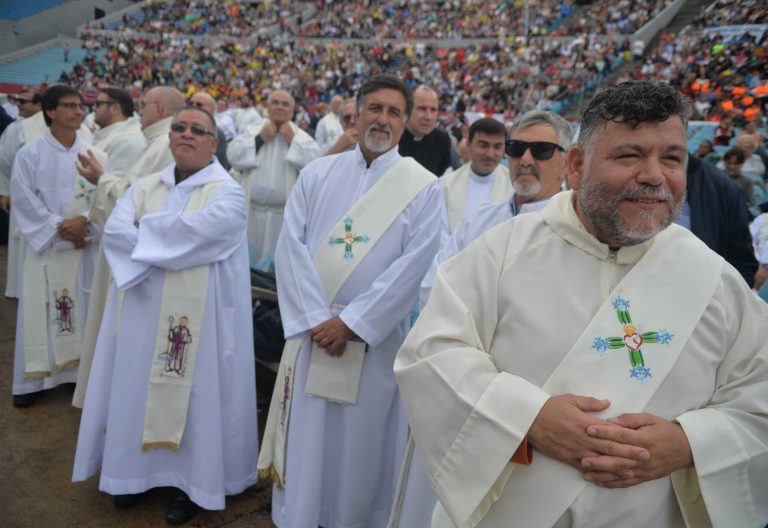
50,206
119,133
267,160
536,152
595,364
171,398
348,139
29,127
156,109
330,127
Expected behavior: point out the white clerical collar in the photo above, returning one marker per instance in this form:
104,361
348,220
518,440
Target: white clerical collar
210,173
114,128
53,142
385,159
482,180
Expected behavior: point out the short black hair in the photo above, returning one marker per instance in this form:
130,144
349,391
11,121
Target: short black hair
632,103
214,130
37,97
53,95
488,126
379,82
122,98
735,152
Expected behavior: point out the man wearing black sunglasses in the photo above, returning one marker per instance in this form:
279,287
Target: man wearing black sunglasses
182,410
595,363
119,133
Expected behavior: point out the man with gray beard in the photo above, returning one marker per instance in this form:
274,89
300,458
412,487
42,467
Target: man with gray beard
594,363
360,230
536,152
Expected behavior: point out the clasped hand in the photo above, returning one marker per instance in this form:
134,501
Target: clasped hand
332,335
73,230
615,453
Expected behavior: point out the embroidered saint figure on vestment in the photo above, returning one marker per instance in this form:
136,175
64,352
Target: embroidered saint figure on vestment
632,341
175,355
64,307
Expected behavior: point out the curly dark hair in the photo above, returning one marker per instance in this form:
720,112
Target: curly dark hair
632,103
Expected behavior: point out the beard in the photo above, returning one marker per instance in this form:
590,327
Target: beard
599,203
375,144
527,188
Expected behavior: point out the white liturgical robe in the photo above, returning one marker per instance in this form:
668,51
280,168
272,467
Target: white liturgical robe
268,176
123,142
472,368
343,460
42,188
217,453
465,192
328,131
109,189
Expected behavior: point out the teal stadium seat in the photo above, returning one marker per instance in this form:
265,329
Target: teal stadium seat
50,62
19,9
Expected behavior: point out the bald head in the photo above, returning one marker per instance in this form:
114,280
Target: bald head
159,103
280,106
336,102
205,101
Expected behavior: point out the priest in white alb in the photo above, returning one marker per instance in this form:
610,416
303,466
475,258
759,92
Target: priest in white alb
594,364
483,180
50,207
171,397
267,160
158,107
360,230
329,128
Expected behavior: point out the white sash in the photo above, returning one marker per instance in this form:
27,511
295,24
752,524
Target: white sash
607,350
456,189
335,261
178,331
50,290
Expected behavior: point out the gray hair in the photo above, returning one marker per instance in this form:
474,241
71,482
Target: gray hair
544,117
632,103
214,129
380,82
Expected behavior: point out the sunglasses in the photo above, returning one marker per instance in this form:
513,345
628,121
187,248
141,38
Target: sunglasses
196,129
19,101
540,150
347,118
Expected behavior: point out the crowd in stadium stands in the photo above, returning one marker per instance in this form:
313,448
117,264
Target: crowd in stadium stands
213,17
733,12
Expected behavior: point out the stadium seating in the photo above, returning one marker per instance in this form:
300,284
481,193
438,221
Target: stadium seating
49,64
20,9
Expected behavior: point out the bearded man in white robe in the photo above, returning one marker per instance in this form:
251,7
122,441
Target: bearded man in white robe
50,207
267,160
594,364
157,110
360,230
171,398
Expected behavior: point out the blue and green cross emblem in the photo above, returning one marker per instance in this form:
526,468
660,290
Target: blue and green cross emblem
348,239
85,192
632,341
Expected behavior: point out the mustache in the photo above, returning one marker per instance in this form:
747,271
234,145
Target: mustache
378,128
527,170
645,190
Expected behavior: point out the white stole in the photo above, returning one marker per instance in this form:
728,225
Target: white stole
455,188
371,216
609,350
52,280
178,330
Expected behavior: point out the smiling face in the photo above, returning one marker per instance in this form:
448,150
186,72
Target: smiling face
380,122
192,152
485,152
280,107
630,183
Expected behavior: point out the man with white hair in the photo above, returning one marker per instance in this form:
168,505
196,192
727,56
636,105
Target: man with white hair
360,230
267,160
348,139
329,128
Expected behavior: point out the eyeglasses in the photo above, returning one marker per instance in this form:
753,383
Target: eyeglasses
540,150
196,129
21,102
143,104
72,106
196,104
347,118
106,102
